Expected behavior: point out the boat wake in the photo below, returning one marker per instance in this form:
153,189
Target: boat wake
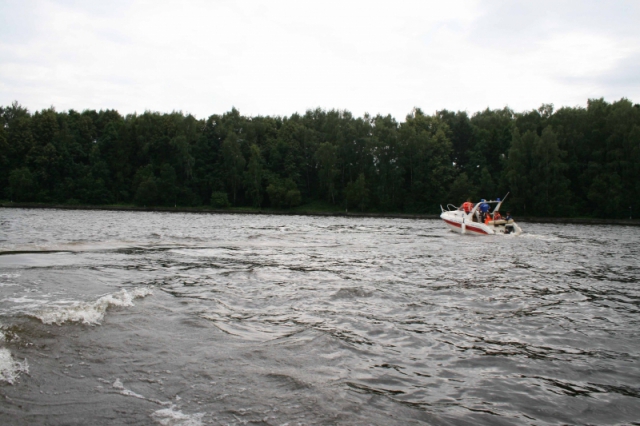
90,313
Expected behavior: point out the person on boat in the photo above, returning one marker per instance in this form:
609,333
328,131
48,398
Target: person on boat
496,216
467,206
508,217
484,210
508,227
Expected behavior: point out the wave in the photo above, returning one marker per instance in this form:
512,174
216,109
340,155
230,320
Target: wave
10,252
170,417
10,369
166,416
6,280
152,243
91,313
352,292
65,247
542,237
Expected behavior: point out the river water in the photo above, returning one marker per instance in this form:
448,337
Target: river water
196,319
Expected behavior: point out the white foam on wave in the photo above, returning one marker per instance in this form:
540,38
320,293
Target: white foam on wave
126,392
9,277
538,237
10,369
117,384
171,417
91,313
25,302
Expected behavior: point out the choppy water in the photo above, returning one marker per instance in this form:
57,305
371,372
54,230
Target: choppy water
189,319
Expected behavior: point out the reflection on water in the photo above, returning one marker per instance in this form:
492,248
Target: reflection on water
232,319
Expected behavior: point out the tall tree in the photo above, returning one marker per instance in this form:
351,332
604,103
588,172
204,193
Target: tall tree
327,159
358,193
233,163
254,175
551,195
518,167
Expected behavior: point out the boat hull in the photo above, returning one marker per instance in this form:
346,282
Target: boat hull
469,229
458,221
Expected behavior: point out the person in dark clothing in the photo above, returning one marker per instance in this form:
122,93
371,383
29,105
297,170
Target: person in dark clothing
484,210
508,227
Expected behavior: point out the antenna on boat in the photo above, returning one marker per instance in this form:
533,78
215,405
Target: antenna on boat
500,203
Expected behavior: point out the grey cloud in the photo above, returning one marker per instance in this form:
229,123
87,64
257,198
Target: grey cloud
22,22
520,25
622,81
99,8
626,74
18,23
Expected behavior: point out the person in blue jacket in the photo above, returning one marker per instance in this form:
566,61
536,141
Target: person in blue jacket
484,210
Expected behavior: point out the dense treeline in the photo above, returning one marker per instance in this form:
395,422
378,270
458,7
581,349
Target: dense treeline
570,162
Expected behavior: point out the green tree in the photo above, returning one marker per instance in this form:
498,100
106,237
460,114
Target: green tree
427,153
551,194
491,140
283,193
518,167
4,158
219,199
461,134
487,185
45,160
357,193
605,194
386,173
147,193
21,185
19,136
145,186
168,183
233,163
327,159
554,162
254,175
183,160
461,189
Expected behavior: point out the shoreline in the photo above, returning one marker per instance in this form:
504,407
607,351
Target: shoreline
525,219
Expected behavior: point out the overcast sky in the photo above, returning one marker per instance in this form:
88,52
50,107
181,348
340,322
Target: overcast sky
280,57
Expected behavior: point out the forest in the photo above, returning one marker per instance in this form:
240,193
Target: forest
569,162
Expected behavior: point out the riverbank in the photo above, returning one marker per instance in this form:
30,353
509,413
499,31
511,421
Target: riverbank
301,211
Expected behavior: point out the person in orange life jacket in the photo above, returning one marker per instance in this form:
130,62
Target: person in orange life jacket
496,216
467,206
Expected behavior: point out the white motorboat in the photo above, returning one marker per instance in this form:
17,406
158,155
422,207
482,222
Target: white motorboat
475,222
